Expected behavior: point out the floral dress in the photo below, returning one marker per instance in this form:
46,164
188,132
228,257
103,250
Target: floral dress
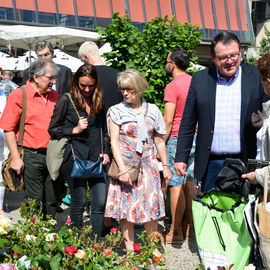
142,201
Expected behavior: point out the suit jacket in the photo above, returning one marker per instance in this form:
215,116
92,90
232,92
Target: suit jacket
64,76
200,107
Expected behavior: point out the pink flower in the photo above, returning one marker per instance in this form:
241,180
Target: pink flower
70,250
68,221
7,266
137,248
33,219
107,251
114,230
15,254
156,235
34,267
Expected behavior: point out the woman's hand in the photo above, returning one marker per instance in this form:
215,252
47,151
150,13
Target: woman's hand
125,178
251,177
106,159
167,175
257,119
82,125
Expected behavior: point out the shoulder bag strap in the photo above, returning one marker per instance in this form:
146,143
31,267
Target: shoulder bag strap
73,105
23,115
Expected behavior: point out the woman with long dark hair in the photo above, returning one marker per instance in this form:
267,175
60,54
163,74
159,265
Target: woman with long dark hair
87,137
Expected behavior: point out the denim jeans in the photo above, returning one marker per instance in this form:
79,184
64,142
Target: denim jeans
78,194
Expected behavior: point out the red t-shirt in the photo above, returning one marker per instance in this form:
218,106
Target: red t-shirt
38,116
176,92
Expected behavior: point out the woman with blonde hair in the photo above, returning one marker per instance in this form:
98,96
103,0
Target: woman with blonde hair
87,137
136,128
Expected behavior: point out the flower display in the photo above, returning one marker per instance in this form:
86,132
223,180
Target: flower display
34,243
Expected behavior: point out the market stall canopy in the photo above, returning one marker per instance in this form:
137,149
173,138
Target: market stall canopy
25,37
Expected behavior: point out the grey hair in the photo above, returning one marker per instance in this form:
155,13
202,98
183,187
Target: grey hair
134,79
40,67
42,44
88,47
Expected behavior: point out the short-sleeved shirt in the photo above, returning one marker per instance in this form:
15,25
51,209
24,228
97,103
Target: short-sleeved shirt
38,116
176,92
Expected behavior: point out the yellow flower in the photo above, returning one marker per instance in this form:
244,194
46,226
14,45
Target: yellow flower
80,254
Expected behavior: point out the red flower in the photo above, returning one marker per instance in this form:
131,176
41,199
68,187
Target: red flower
33,219
156,235
114,230
134,268
107,251
137,248
15,254
70,250
34,267
156,260
68,221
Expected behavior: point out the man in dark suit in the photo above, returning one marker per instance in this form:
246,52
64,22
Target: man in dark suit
221,100
44,49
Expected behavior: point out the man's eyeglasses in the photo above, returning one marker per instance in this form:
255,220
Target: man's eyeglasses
123,89
225,58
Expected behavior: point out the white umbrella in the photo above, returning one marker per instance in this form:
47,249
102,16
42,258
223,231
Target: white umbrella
65,59
25,37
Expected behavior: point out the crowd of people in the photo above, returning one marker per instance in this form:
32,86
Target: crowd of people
211,116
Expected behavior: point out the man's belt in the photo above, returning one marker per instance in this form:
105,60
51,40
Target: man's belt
38,150
222,156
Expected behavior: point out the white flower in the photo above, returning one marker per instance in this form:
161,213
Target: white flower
29,237
51,237
2,230
52,222
4,222
250,267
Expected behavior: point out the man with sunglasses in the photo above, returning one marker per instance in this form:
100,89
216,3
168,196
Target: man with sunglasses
44,49
221,100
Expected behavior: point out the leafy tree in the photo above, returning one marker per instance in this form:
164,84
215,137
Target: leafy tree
265,42
147,50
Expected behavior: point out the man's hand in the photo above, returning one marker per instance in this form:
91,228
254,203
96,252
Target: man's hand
17,165
180,168
257,119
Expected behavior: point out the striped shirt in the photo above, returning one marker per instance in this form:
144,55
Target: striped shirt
226,137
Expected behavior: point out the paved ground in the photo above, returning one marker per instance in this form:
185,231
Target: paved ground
178,257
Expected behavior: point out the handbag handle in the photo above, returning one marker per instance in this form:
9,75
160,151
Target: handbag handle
23,116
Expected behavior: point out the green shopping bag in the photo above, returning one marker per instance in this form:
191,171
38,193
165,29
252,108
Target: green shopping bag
220,229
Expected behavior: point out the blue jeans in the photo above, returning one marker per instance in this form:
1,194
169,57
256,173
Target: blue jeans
78,194
214,167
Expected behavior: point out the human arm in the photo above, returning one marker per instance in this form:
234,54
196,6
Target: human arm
124,176
161,149
16,162
169,112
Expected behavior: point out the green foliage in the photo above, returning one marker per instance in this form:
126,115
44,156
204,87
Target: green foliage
265,42
252,61
147,50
